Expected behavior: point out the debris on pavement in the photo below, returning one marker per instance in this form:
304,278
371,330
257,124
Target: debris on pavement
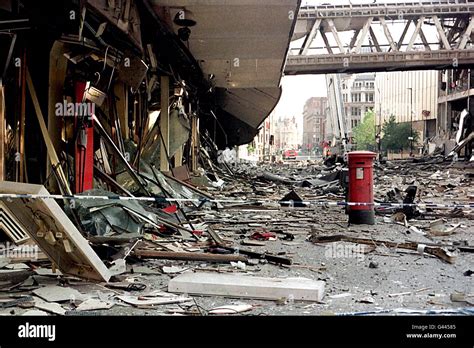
231,309
441,253
256,237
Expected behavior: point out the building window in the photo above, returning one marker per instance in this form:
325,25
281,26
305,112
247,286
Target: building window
356,97
355,111
370,97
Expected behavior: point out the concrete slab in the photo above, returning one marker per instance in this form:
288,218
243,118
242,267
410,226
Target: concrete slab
247,286
54,308
58,294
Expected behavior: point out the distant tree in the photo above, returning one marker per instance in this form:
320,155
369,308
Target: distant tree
396,135
364,133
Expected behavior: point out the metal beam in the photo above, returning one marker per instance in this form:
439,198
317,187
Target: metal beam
376,42
466,35
389,10
454,29
311,36
326,41
402,37
422,35
415,34
388,35
362,36
442,36
451,38
371,62
332,27
353,40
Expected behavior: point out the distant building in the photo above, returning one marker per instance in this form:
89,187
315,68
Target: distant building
286,133
358,94
410,96
314,123
456,93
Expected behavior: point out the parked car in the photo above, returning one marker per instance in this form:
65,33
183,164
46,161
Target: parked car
290,154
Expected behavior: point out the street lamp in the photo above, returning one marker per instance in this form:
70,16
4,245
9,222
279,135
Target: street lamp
378,132
411,121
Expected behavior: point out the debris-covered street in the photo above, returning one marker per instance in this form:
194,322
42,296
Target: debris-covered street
246,227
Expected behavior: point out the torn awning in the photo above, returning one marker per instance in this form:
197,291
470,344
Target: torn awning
241,47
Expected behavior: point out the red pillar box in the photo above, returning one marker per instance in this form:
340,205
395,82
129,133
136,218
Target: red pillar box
361,187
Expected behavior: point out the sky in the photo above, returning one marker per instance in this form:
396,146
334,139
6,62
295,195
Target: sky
298,89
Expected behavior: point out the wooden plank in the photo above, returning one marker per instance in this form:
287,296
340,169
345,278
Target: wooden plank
55,234
178,158
164,124
217,239
152,301
167,255
57,74
194,141
120,91
44,130
420,247
241,286
181,173
265,256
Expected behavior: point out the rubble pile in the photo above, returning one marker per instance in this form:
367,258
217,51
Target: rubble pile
228,229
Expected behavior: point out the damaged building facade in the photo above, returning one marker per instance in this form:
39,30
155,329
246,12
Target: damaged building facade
120,192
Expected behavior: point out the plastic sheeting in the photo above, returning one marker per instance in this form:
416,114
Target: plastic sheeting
106,218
